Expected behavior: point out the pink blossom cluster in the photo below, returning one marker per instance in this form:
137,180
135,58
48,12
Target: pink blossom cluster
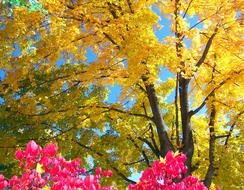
55,172
167,174
3,182
43,168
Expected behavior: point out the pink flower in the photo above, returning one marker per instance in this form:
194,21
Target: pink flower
13,181
1,177
107,173
55,170
98,170
89,180
32,147
3,182
19,155
50,150
83,171
163,173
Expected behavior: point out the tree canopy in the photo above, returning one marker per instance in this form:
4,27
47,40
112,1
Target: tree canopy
51,91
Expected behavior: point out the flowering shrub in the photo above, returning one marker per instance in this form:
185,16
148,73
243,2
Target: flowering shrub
166,174
44,169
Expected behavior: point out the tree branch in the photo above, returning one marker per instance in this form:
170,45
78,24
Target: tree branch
153,140
130,6
154,146
187,8
136,162
100,154
176,111
143,152
199,22
125,112
141,88
207,47
150,145
220,136
123,176
111,40
231,129
193,112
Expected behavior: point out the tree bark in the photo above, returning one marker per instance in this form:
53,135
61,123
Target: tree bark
188,145
210,172
165,144
177,112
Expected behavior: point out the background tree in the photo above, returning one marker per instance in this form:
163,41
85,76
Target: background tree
51,91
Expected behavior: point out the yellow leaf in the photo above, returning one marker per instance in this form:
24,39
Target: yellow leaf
39,168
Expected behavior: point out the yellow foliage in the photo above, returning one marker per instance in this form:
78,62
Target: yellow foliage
54,84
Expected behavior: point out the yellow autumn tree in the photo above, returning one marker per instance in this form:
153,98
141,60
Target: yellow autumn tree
51,91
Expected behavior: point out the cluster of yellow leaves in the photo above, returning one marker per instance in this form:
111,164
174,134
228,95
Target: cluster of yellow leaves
121,35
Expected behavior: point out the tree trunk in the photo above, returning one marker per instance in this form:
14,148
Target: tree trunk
210,172
188,145
165,144
187,141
